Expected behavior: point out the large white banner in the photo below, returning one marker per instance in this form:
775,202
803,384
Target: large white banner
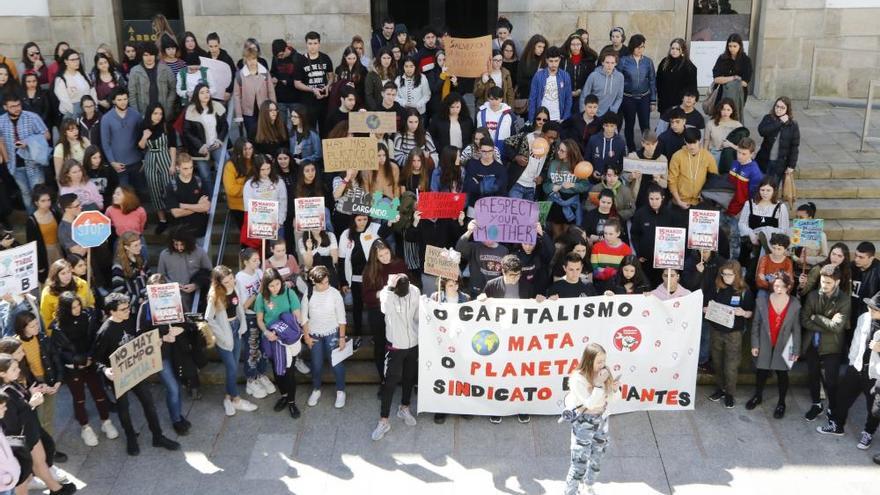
503,357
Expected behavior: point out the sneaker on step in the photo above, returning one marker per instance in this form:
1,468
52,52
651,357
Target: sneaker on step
831,428
523,418
313,397
406,415
381,429
255,389
865,441
66,489
814,412
728,401
60,475
717,396
302,367
166,443
340,400
88,436
495,420
267,384
244,405
227,407
109,429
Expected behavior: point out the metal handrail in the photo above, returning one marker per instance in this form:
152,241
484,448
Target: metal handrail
869,105
215,196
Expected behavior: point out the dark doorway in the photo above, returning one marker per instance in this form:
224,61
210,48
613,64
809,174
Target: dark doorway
134,18
463,18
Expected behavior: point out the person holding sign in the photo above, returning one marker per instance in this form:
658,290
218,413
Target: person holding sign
116,330
496,77
181,261
726,337
484,176
809,256
775,340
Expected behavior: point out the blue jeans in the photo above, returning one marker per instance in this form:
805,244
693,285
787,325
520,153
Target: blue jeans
230,360
133,176
324,346
733,224
632,107
704,343
284,111
250,126
255,363
522,192
173,394
203,167
27,177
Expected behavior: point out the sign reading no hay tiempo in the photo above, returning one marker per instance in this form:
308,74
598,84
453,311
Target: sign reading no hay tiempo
502,357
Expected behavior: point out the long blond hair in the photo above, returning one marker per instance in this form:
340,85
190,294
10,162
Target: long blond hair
218,294
129,266
588,358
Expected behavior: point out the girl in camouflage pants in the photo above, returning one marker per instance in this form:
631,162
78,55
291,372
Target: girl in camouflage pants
590,388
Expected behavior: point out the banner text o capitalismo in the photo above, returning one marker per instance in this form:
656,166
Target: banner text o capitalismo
511,356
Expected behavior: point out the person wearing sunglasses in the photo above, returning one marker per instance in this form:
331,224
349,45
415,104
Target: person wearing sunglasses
117,330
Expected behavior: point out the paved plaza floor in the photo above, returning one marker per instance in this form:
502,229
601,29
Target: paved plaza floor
329,451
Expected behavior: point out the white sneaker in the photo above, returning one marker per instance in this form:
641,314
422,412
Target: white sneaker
255,389
244,405
302,367
109,430
36,484
406,415
88,436
60,475
313,398
227,407
340,400
381,429
267,384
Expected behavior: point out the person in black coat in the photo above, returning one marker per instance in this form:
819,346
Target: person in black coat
535,260
734,63
642,226
36,99
778,154
675,75
510,279
579,63
453,109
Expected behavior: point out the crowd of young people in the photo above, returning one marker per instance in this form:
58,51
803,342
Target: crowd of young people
149,128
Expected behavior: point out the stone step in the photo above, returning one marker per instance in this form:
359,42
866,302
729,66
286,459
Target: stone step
850,208
825,170
808,189
852,229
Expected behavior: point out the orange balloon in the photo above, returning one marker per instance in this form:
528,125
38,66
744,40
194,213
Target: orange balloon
540,147
583,170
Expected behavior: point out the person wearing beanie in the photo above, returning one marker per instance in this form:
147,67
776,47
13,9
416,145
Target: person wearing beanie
194,75
607,148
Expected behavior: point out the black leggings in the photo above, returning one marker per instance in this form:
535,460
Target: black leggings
781,383
376,320
286,383
401,365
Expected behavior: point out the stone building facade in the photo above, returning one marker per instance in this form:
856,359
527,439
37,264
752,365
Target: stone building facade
784,35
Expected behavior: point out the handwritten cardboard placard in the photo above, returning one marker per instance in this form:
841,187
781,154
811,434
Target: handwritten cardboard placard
262,219
501,219
384,208
372,122
807,233
136,360
669,247
650,167
442,262
165,303
309,214
355,201
703,229
468,57
721,314
356,153
435,205
18,269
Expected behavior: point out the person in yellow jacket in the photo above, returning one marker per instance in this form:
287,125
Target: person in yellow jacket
60,280
688,170
235,174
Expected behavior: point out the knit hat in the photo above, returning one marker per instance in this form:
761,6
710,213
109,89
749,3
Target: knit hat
278,46
400,28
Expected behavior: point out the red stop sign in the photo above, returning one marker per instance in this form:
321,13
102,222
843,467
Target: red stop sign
91,229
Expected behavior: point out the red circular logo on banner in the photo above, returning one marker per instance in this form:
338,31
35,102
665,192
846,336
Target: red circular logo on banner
627,339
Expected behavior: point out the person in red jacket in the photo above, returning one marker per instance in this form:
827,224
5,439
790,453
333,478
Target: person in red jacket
746,176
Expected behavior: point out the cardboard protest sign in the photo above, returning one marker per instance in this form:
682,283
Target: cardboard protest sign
468,57
512,356
543,211
136,360
501,219
721,314
442,262
357,153
262,219
703,229
384,208
669,247
434,205
165,304
650,167
372,122
355,201
18,270
807,232
309,214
